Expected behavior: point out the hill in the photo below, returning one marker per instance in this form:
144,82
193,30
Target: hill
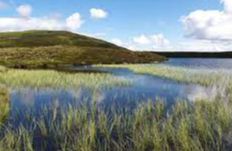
45,49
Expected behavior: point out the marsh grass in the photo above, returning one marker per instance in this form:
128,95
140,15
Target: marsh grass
219,81
55,79
4,104
2,69
201,125
206,77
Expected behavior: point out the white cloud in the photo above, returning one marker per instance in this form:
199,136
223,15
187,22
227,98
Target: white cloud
19,24
3,5
227,5
159,40
155,41
74,21
207,31
142,40
185,46
26,22
24,10
210,24
210,30
98,13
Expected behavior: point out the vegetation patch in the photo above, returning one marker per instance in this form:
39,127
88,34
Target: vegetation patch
206,77
4,105
202,125
54,79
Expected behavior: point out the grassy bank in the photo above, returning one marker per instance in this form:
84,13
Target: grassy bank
201,126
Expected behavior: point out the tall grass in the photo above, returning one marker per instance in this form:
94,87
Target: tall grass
202,125
55,79
4,104
220,79
182,74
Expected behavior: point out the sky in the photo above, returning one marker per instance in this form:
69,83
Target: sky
144,25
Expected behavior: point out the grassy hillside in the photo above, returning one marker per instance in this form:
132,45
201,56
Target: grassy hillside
49,38
33,49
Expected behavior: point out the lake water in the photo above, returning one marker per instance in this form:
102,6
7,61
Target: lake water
201,63
143,88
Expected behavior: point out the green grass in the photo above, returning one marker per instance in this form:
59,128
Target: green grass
12,78
50,49
37,38
206,77
4,105
202,125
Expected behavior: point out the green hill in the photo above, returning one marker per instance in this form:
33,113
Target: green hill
44,49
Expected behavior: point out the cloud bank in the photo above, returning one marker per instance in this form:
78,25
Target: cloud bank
204,30
155,41
210,24
26,22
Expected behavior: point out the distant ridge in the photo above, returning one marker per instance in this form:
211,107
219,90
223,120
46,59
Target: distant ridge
195,54
46,49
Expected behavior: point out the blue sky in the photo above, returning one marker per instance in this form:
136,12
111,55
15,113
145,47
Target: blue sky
138,24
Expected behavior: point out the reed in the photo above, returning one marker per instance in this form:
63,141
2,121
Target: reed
219,80
55,79
189,75
201,125
4,104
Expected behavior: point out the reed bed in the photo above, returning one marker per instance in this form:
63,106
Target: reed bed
206,77
219,80
55,79
201,125
4,104
2,69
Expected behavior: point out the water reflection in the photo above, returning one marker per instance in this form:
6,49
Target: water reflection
143,88
206,63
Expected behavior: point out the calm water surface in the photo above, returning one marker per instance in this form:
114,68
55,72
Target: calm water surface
201,63
143,88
